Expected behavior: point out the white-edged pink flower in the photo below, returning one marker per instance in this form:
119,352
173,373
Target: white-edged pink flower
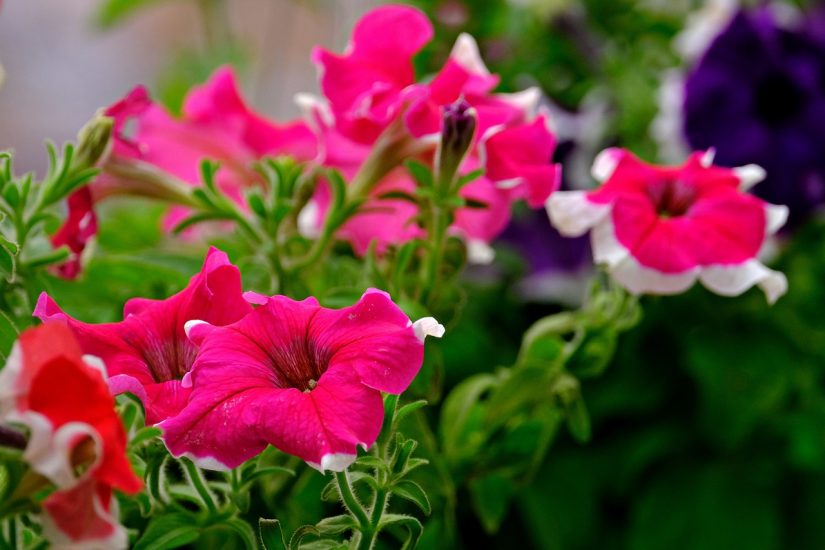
299,376
76,439
148,353
660,229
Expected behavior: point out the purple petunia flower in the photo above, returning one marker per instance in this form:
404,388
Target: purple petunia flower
757,95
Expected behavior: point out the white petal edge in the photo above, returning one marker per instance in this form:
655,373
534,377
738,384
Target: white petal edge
190,325
9,377
479,252
628,272
335,462
775,217
465,53
735,279
49,452
707,159
749,175
96,363
428,326
526,101
573,214
308,219
605,164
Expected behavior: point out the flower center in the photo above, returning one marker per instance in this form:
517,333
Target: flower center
671,197
166,358
298,365
778,99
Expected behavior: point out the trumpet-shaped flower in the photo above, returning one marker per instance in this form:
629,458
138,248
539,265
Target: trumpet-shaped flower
372,86
302,377
659,229
77,440
374,82
148,352
770,112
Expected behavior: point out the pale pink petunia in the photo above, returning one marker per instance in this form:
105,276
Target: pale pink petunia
148,353
76,438
299,376
659,229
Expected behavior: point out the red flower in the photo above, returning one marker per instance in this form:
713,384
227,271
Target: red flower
77,439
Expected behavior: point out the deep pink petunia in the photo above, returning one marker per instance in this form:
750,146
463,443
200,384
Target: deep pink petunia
659,229
299,376
373,84
148,353
368,85
76,438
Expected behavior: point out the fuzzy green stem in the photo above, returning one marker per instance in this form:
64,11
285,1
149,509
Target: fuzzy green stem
351,502
200,485
439,222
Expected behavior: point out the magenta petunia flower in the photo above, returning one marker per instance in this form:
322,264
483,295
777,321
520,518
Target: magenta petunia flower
659,229
148,353
374,81
299,376
373,84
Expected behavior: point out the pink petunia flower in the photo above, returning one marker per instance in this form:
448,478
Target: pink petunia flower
63,399
150,145
659,229
373,84
302,377
148,353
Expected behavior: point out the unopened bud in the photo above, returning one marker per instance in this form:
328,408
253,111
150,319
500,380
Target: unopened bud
134,177
458,128
93,141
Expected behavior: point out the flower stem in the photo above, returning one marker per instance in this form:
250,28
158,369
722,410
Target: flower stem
200,485
351,501
439,222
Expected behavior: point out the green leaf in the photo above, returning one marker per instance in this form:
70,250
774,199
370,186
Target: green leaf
12,196
171,530
578,420
271,534
269,471
399,195
409,408
458,410
8,333
256,204
336,524
145,434
411,524
475,204
469,177
244,531
420,173
413,492
300,533
491,496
